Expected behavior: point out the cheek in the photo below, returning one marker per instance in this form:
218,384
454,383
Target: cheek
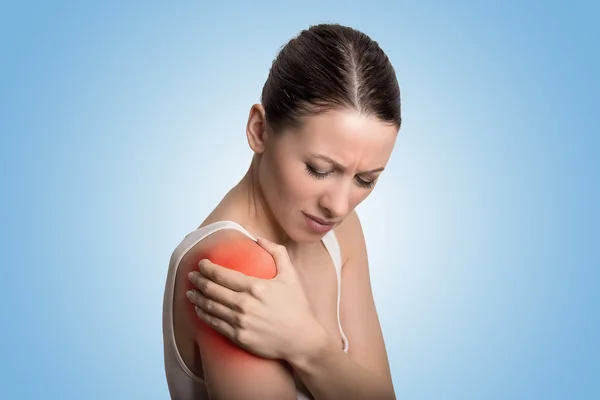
281,184
288,176
358,196
292,189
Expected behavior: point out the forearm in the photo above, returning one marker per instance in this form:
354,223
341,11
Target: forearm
331,374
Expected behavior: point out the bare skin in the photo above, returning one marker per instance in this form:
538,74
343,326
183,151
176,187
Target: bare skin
325,168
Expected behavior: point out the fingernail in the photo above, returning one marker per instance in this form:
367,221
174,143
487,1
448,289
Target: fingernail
189,294
191,275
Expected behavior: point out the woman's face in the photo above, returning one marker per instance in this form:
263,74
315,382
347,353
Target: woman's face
323,170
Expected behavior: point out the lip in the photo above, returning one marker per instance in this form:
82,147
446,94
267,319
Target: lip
319,220
316,226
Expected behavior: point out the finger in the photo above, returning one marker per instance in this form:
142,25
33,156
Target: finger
226,277
212,307
278,252
214,291
216,323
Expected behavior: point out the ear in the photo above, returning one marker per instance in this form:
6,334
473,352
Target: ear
256,129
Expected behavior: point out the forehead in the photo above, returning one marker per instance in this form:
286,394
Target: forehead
348,137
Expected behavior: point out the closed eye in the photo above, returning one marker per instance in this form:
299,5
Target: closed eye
366,184
312,171
315,173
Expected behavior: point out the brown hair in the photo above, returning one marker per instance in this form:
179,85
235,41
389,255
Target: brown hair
328,67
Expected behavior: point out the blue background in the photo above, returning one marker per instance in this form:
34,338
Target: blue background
123,124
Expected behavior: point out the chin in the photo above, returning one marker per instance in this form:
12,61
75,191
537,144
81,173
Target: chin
296,233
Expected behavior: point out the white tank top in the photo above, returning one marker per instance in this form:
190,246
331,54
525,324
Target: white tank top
183,384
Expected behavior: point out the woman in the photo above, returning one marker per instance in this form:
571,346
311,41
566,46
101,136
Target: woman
246,318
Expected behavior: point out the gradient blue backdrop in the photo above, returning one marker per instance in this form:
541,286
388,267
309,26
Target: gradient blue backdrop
122,124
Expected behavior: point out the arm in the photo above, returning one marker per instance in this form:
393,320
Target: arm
364,372
230,372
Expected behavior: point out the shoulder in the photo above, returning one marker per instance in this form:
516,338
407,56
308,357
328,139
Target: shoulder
350,237
233,249
231,372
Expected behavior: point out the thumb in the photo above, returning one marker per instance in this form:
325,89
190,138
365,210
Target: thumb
279,254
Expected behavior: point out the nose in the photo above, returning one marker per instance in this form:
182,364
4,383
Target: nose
336,200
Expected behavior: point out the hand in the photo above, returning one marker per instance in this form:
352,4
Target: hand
269,318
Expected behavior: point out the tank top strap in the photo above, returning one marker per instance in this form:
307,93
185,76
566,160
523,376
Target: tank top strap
333,247
189,241
204,231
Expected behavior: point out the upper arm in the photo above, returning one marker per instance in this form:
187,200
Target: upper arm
231,372
358,314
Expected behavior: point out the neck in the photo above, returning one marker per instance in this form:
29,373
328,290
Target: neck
257,217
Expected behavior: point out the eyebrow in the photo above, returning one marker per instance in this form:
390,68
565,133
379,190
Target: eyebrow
341,167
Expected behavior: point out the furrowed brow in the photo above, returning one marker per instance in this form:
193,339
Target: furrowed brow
339,166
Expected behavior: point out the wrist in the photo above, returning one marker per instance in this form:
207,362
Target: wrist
318,342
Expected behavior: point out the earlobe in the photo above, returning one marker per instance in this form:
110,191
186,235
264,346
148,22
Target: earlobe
256,129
